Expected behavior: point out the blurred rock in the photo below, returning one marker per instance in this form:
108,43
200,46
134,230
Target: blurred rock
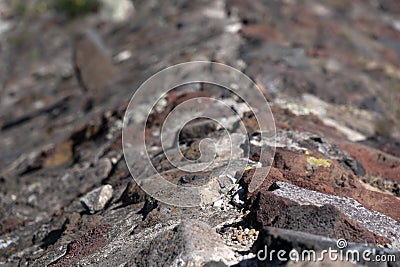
116,11
93,63
330,72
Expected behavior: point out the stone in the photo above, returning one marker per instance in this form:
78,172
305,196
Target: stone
93,63
215,264
384,227
238,198
191,243
218,203
97,199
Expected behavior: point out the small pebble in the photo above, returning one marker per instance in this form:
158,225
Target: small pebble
218,203
97,199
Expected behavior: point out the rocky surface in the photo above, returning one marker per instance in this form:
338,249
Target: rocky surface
191,243
330,71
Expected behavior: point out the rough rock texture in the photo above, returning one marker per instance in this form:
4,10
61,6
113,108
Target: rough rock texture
332,174
326,220
191,243
329,69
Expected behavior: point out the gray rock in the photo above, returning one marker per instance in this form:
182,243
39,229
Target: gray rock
97,199
191,243
93,63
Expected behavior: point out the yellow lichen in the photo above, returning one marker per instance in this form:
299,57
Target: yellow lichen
318,162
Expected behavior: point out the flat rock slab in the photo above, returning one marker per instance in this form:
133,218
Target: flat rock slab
374,221
191,243
93,63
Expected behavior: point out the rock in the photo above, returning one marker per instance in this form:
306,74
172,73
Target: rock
300,167
325,220
266,207
320,180
83,246
116,11
122,56
375,162
97,199
191,243
200,128
194,179
93,63
62,154
132,194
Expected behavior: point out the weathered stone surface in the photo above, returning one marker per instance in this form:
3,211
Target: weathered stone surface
377,163
327,220
330,72
132,194
93,63
97,199
192,243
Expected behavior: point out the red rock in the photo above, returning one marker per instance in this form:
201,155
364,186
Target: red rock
83,246
376,163
292,167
